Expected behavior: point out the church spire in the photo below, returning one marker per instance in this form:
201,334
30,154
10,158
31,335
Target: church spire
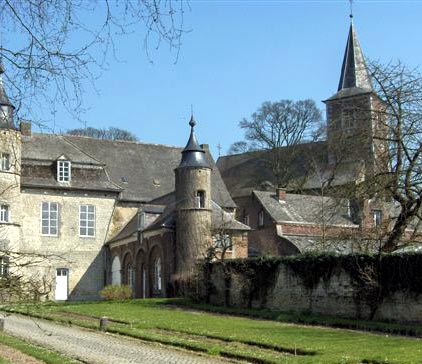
354,72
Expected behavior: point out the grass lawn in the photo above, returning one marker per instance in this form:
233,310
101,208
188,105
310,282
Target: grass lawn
260,341
20,346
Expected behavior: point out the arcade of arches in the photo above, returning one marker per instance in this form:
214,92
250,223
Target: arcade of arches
143,266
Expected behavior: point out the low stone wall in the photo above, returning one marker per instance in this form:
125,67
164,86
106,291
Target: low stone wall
336,293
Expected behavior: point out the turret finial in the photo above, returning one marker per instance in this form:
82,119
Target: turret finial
351,10
192,121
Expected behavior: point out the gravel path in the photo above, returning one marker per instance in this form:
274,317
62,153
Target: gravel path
98,348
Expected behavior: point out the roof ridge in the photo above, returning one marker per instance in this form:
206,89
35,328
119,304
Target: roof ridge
266,150
138,142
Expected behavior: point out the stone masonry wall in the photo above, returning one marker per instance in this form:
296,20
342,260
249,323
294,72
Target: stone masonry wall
335,297
83,256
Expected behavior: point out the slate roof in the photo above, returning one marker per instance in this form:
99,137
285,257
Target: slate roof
354,72
349,92
243,173
305,209
41,151
225,221
132,226
193,155
220,220
49,147
142,171
102,183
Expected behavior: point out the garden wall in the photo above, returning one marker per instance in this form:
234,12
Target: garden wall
354,286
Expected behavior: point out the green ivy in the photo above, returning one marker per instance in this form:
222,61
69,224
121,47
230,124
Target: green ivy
374,276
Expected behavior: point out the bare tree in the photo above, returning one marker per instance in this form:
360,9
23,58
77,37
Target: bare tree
51,48
110,133
278,128
398,139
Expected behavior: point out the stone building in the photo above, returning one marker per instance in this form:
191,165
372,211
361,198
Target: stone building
321,174
154,258
75,208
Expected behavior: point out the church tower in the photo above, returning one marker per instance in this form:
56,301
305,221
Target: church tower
193,206
354,112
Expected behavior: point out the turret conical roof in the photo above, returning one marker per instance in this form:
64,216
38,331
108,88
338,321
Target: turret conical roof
193,155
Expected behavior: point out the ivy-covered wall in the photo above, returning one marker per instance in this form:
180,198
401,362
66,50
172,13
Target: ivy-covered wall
357,286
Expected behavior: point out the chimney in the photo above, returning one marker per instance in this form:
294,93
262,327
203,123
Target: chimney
281,194
25,127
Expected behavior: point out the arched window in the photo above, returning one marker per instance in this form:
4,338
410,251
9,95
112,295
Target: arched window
157,274
200,199
116,278
130,275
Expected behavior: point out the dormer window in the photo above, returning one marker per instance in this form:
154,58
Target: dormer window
63,171
200,199
141,220
4,161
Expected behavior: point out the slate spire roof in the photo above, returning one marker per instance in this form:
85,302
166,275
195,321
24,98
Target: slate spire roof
193,155
354,72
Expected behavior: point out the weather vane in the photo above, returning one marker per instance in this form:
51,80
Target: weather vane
351,9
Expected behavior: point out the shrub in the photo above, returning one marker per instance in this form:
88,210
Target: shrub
114,292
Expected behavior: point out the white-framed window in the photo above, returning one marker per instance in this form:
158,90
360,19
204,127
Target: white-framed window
4,161
377,216
223,242
4,213
49,218
63,171
157,274
200,199
87,220
261,218
4,266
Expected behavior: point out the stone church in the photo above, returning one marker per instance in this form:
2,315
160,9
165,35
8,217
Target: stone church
84,213
316,209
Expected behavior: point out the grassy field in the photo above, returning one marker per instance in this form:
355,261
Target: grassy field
42,354
259,341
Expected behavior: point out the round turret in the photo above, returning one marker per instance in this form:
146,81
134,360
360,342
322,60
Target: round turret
193,205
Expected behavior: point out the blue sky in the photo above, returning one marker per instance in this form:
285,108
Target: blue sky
237,55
